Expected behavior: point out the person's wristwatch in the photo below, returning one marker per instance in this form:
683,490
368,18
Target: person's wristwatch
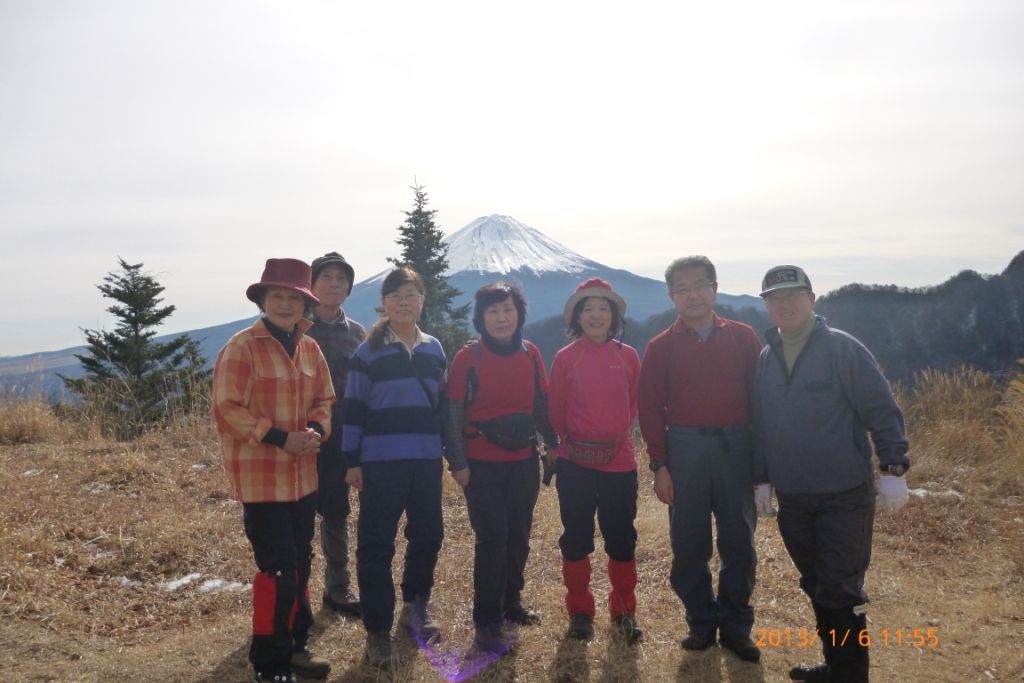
897,470
656,465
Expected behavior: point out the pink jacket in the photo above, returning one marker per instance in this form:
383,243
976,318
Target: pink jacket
592,396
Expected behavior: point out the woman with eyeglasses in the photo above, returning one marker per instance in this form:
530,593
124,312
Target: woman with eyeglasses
391,443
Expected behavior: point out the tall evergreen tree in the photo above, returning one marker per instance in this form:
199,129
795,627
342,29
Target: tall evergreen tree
424,250
132,381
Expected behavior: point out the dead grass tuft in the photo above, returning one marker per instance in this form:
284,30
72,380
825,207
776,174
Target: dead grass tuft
27,421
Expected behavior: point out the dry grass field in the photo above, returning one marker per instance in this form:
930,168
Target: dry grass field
94,532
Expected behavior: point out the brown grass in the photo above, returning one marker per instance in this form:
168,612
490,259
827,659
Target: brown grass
92,529
27,421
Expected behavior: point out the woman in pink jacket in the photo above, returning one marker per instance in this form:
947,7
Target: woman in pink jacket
593,403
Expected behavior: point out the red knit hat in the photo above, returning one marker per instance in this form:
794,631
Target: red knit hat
289,273
595,286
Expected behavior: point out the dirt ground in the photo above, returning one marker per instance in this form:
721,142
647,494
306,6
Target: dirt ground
91,530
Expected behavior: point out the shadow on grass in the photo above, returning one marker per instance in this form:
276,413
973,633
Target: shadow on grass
700,667
620,663
742,672
570,663
233,668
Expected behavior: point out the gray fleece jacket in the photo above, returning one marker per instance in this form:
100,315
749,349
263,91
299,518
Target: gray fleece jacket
812,425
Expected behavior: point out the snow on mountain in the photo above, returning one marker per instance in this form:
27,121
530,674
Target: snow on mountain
500,245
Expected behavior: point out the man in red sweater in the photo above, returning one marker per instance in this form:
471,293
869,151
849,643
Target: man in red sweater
695,387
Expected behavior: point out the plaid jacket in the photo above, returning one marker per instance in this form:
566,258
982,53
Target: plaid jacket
256,386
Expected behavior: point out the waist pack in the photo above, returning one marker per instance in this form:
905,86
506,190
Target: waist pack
512,432
590,452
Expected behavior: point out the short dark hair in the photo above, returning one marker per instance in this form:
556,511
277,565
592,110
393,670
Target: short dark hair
493,293
690,262
575,330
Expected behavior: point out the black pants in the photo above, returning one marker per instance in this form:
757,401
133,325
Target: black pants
389,489
281,535
500,497
612,495
828,536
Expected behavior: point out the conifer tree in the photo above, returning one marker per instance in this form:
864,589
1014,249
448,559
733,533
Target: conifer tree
424,250
132,381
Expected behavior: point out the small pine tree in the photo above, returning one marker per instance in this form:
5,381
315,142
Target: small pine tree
131,381
424,250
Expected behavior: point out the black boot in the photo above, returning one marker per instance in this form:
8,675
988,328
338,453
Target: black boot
850,660
816,673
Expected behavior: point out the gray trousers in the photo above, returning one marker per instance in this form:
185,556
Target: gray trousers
712,474
334,543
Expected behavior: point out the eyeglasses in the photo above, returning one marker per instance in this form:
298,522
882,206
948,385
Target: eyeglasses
402,298
700,288
784,294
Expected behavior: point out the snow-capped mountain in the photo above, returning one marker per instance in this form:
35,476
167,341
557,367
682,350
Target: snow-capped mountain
500,247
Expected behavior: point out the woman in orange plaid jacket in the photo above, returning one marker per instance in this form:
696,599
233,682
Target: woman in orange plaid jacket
272,397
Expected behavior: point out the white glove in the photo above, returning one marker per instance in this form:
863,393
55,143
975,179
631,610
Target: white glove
763,500
892,492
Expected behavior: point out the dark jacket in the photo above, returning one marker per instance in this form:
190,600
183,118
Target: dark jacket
812,425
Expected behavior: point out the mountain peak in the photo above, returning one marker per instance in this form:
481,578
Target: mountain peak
501,244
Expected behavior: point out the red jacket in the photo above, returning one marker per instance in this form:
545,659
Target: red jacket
687,381
593,397
505,385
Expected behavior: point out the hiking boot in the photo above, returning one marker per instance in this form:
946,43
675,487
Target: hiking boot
281,673
743,647
698,641
378,651
523,616
812,673
305,664
627,627
489,638
581,627
416,618
343,602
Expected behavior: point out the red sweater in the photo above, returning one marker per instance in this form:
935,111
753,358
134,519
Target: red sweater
687,381
593,397
505,384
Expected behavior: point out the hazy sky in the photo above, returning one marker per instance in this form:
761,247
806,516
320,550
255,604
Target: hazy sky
872,141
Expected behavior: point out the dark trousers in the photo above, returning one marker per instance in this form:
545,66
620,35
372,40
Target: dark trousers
612,495
712,475
389,489
334,508
828,536
500,497
281,535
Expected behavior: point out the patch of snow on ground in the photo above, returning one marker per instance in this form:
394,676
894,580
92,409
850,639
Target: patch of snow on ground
214,585
924,493
31,473
128,583
179,583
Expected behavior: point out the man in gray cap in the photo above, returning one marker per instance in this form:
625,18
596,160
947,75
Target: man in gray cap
338,337
818,397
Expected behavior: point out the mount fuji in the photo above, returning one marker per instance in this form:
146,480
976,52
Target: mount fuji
500,247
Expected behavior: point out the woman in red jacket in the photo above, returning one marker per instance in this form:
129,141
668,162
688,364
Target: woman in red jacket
494,409
593,403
